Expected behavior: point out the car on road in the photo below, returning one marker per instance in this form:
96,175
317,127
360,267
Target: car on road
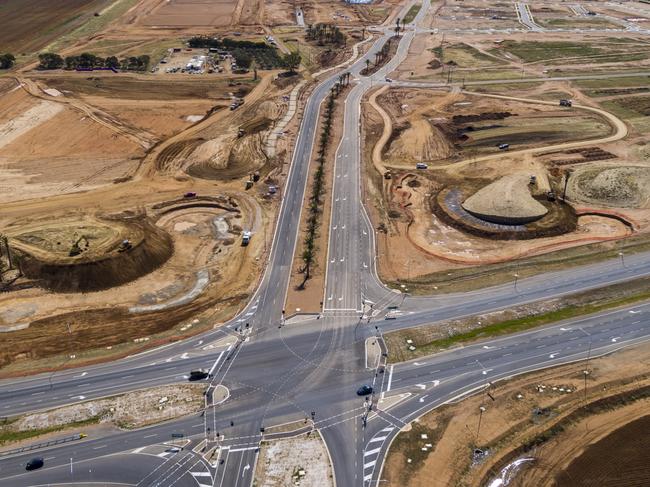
35,463
246,238
388,80
504,146
364,390
421,165
198,374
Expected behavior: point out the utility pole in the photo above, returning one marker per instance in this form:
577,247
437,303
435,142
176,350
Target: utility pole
480,417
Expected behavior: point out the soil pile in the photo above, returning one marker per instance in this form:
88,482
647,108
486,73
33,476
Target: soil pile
420,140
620,187
112,265
507,201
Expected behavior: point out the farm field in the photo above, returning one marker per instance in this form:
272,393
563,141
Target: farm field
21,19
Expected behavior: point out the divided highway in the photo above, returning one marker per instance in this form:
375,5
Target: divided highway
309,371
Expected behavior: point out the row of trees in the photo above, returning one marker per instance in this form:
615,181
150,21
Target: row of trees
7,60
325,34
381,56
226,44
318,185
49,60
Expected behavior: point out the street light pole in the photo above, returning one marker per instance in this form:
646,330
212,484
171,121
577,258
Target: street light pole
480,417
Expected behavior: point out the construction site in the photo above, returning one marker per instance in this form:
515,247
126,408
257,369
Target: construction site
157,213
501,171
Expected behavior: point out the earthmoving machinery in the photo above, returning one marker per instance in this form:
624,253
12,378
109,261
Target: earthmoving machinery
76,248
125,245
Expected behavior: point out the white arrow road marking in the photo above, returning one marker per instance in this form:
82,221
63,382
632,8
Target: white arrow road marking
365,266
487,347
185,355
553,355
423,397
169,360
341,298
200,342
331,297
332,261
436,383
78,397
566,329
486,371
417,364
80,375
247,467
615,339
343,259
634,311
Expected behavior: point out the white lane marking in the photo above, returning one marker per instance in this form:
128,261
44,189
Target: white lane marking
80,375
138,450
366,478
243,449
423,398
566,329
615,339
378,438
214,366
390,378
151,436
421,386
388,429
553,355
201,474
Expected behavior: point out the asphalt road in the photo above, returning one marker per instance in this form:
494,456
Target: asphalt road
278,372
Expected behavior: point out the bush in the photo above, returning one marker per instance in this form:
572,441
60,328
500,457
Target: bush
7,60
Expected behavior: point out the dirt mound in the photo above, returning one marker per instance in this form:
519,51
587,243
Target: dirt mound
95,258
420,140
506,201
614,186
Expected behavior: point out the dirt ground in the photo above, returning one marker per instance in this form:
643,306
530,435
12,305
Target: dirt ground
436,127
129,146
299,461
523,408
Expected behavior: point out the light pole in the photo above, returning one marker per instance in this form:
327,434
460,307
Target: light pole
480,417
622,256
516,277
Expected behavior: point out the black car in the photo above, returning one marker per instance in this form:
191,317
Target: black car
364,390
34,463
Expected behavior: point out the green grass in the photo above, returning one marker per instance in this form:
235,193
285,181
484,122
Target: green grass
579,24
9,436
507,327
410,15
532,51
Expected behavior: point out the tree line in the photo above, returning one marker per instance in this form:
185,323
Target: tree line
226,44
7,60
86,60
325,34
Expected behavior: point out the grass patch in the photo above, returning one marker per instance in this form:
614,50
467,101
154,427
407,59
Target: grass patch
9,436
583,304
466,56
410,15
532,51
631,81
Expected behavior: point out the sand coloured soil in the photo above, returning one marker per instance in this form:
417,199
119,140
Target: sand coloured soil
611,186
507,200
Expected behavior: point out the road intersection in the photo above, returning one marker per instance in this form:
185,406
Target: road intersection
279,372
